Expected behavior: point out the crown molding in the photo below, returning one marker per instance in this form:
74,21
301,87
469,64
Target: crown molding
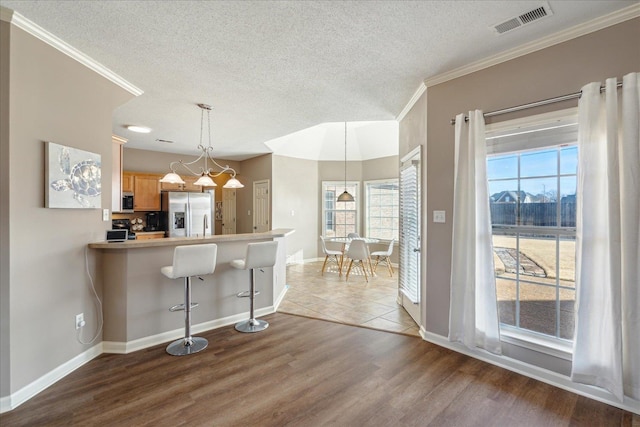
599,23
416,95
120,140
42,34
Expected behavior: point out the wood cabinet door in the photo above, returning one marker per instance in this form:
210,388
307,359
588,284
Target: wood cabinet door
127,182
146,192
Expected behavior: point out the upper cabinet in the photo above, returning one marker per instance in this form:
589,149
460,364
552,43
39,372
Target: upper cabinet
145,188
146,192
116,172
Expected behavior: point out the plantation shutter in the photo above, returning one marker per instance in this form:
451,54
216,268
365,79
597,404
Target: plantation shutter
409,232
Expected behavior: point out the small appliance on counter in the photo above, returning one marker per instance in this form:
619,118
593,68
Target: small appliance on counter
153,222
123,224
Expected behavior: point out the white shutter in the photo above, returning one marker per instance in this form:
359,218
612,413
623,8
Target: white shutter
409,232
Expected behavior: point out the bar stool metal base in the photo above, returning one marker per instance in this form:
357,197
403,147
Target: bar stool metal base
185,346
251,325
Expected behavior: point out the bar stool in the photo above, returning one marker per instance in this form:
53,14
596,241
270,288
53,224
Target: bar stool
259,255
188,261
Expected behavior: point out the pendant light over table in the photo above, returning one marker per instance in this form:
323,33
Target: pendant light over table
345,196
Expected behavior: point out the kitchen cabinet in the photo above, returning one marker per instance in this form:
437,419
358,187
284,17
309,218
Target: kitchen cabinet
148,235
146,192
127,182
145,188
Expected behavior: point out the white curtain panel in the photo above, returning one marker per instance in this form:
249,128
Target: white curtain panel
473,315
606,350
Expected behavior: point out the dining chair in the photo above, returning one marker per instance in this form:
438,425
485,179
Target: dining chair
338,256
359,253
384,256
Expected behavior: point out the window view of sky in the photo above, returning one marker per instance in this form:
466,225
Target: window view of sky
538,172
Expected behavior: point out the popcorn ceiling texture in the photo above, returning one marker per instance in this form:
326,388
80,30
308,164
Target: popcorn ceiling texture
270,69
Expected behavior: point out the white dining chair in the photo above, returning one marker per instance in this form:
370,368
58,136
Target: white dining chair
384,256
359,253
337,256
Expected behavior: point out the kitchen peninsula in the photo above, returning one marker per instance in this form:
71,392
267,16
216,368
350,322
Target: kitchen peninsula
137,297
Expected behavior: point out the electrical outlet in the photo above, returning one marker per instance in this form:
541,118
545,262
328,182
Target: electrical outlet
80,320
105,215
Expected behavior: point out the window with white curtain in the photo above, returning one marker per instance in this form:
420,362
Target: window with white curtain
531,172
339,218
382,217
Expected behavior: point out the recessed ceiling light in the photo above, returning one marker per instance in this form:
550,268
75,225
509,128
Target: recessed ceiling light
139,129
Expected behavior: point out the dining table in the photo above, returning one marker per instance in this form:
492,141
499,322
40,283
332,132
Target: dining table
345,246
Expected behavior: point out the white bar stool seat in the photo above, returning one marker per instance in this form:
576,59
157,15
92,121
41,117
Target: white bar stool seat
188,261
259,255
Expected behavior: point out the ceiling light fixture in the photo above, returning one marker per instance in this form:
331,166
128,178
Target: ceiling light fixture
139,129
345,196
206,173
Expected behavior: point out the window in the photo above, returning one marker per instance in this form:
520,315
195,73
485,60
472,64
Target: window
532,190
339,219
382,211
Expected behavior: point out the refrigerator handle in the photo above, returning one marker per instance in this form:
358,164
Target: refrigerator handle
187,220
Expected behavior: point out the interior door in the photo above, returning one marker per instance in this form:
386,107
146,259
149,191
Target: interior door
261,206
228,211
409,283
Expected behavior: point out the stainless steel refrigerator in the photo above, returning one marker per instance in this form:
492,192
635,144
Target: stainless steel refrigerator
187,214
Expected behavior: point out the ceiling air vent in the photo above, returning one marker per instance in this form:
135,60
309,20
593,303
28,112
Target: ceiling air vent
521,20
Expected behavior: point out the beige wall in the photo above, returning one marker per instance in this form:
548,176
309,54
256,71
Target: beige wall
295,199
51,98
557,70
255,169
5,284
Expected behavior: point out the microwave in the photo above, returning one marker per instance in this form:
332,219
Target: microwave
127,202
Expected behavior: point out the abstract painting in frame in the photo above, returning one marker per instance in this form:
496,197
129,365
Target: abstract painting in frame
73,178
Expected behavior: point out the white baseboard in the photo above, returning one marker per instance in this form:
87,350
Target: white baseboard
117,347
27,392
531,371
14,400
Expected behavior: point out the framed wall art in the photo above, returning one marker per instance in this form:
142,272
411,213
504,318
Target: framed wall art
72,178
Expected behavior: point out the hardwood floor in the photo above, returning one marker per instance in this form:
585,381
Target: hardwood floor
306,372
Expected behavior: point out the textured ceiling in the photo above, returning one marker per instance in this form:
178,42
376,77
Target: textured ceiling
273,68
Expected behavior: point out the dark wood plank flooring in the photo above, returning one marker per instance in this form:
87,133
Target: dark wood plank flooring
306,372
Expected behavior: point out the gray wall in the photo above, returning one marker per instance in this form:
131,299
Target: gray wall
554,71
51,98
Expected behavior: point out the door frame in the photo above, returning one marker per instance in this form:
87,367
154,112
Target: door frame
414,308
267,207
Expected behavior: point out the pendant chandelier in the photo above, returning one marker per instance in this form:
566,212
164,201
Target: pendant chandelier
206,173
345,196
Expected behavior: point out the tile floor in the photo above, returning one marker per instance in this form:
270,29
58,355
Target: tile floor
355,302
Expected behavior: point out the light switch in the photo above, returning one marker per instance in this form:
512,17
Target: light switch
439,216
105,215
293,212
249,212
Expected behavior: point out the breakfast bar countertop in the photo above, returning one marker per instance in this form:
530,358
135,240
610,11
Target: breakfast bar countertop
136,297
174,241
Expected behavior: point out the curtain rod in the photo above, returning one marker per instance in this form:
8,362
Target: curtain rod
534,104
